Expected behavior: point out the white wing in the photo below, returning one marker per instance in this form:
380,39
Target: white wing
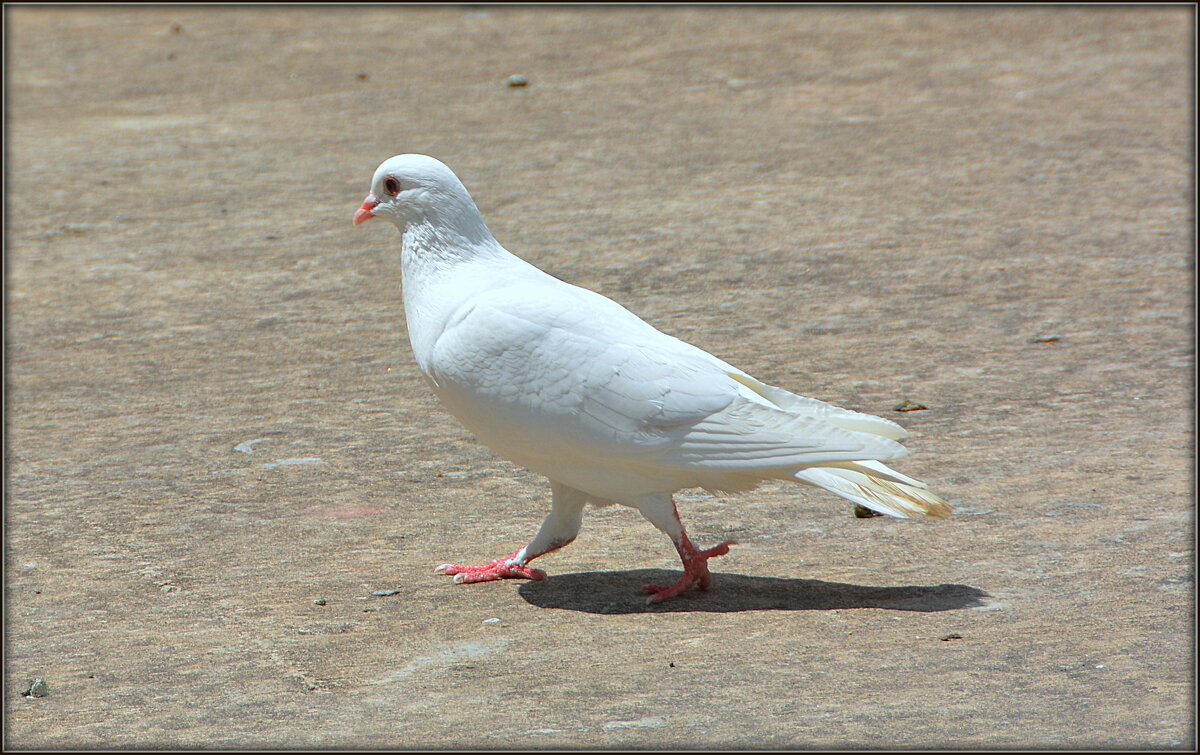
545,368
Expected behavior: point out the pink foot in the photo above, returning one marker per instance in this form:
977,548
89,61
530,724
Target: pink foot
695,571
498,569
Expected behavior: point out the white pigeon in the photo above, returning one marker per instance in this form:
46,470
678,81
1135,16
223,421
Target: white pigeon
573,386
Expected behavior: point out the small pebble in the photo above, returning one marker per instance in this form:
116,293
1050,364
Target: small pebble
862,512
908,406
518,81
363,77
491,621
319,602
949,637
38,688
385,593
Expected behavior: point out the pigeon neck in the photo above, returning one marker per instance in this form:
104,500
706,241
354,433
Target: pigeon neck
430,241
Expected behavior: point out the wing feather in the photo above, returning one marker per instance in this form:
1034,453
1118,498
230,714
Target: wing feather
569,371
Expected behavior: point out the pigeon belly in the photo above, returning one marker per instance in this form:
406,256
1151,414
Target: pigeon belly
551,441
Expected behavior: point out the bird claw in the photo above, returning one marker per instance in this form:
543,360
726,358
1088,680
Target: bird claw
501,568
695,574
659,593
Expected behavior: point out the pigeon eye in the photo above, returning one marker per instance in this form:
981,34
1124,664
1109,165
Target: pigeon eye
391,186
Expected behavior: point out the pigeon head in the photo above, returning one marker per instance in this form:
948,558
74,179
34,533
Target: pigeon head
416,189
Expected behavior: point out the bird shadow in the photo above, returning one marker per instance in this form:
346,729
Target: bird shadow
621,592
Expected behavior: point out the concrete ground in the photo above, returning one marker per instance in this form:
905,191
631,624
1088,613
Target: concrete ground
214,420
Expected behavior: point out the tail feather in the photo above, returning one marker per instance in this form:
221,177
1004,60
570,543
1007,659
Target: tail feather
879,488
873,468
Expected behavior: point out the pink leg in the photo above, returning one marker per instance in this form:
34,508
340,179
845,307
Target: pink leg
695,561
695,570
559,528
509,567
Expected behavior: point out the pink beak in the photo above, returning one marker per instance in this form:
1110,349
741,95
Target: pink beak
364,213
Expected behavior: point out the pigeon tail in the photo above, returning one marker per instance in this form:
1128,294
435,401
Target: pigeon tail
879,488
